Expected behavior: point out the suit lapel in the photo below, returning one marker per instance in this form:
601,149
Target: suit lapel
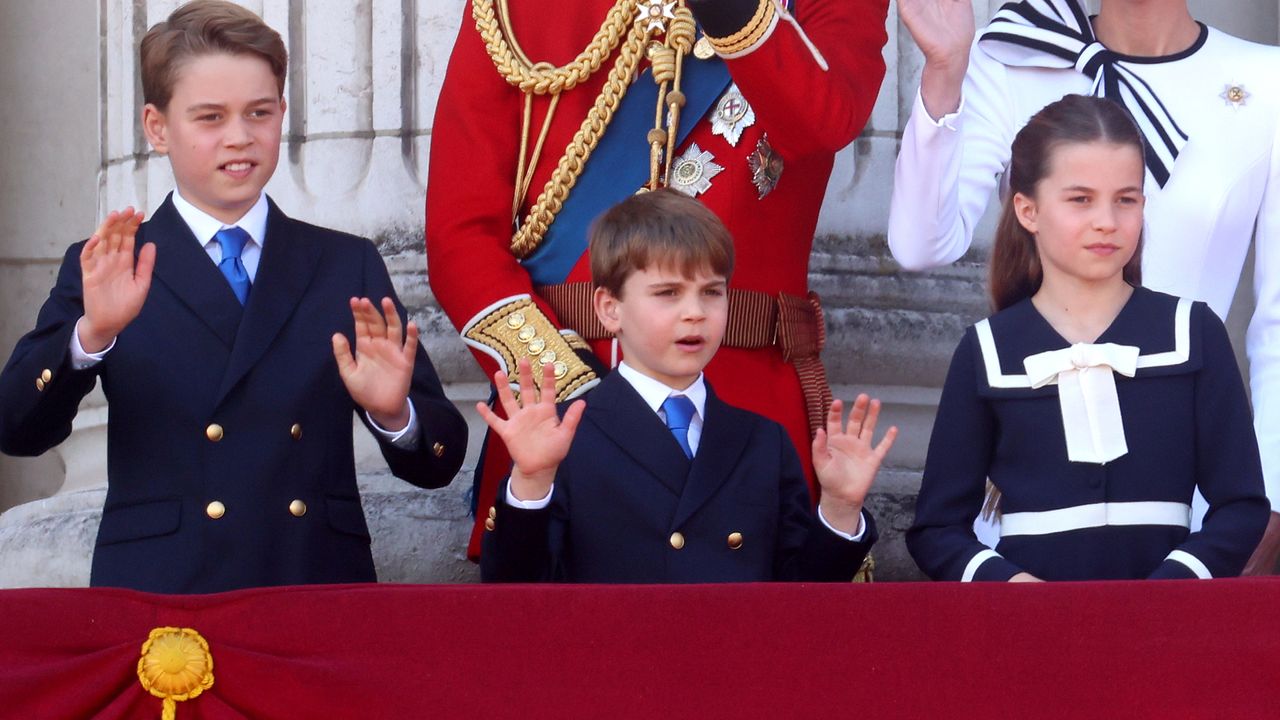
185,268
622,415
724,438
284,272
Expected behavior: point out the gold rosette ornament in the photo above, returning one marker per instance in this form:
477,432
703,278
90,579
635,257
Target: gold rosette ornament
175,666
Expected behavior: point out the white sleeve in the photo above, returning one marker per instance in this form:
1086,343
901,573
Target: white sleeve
1263,339
947,169
81,360
855,537
405,438
516,502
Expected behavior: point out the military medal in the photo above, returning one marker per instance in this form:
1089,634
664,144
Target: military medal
732,115
1234,95
766,167
692,172
656,13
703,50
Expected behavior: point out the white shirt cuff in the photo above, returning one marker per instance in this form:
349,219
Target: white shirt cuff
406,439
81,360
950,121
516,502
856,537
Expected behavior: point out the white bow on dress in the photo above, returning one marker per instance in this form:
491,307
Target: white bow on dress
1085,374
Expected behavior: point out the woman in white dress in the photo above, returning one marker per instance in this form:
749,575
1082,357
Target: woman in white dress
1208,105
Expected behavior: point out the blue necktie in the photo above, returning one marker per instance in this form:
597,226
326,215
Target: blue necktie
232,240
679,410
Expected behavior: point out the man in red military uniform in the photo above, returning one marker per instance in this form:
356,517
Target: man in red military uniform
552,112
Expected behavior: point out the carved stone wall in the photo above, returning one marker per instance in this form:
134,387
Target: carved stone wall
364,75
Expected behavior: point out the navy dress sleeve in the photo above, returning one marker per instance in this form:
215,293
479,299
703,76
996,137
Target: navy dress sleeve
961,448
1228,469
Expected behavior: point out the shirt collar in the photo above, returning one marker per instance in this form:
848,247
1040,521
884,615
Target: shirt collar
654,393
204,226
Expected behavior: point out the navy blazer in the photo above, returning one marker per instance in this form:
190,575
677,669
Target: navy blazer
217,407
1186,424
629,507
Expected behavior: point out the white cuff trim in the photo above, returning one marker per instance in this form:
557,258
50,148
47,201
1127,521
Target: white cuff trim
1192,562
972,568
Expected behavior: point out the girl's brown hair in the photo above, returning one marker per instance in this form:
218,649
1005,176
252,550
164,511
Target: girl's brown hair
1016,273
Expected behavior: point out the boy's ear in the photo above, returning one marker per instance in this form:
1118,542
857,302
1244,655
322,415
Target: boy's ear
156,127
1024,208
606,305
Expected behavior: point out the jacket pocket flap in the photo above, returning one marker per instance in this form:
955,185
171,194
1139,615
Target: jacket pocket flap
144,520
346,516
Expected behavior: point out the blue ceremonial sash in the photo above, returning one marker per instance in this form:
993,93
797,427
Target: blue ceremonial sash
619,166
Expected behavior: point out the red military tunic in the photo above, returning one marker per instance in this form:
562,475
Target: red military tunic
807,112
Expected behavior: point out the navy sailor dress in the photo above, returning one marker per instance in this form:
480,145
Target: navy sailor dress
1095,448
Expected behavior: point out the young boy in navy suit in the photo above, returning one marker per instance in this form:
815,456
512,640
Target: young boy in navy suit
652,478
230,379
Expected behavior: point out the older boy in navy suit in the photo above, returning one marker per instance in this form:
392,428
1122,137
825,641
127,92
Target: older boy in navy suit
230,380
653,478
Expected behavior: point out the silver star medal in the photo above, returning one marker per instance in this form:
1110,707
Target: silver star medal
655,13
692,172
732,114
1234,95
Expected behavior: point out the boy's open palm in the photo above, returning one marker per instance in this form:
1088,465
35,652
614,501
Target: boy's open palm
844,459
378,374
115,285
535,435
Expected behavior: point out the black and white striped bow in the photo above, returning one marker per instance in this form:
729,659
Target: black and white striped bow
1057,34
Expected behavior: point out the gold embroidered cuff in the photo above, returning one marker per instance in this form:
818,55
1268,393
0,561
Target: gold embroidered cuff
515,329
755,31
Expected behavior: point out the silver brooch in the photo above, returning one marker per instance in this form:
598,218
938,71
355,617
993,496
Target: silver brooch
1234,95
693,171
656,13
732,114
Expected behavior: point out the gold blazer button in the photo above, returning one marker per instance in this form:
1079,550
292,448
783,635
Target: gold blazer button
297,508
215,510
677,540
213,432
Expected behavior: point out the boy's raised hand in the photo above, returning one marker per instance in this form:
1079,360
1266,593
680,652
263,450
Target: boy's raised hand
114,285
379,373
845,461
537,438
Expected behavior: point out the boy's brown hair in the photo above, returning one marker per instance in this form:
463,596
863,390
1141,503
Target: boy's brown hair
205,27
664,228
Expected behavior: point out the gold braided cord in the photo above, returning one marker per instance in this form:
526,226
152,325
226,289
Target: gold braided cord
540,78
680,39
571,164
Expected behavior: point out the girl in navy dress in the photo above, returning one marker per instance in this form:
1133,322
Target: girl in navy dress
1093,405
